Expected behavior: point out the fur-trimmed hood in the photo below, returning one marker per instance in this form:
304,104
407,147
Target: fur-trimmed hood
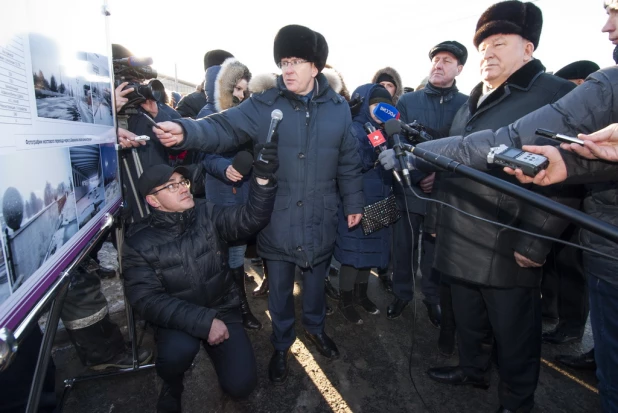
395,75
230,73
263,82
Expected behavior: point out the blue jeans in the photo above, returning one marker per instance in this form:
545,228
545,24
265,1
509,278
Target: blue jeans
604,320
236,256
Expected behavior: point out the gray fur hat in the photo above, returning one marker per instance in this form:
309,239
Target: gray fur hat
610,5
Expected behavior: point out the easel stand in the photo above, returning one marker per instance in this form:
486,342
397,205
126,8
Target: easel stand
71,382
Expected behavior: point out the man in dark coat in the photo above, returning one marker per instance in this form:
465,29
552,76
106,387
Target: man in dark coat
494,272
320,165
583,111
434,107
177,276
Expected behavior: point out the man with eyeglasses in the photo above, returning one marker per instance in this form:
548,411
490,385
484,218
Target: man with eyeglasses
320,168
177,276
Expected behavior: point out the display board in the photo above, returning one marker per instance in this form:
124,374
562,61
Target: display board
58,160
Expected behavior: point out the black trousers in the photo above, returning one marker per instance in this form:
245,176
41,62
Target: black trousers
564,287
512,316
405,242
234,359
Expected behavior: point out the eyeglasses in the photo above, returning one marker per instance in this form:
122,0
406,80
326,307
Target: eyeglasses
173,187
293,63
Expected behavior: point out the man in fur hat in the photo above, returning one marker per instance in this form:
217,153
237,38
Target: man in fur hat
577,72
434,107
320,167
495,273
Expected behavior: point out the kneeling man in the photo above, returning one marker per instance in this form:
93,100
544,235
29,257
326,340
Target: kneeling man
177,276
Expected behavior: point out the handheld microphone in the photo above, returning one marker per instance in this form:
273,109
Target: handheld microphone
392,129
275,117
135,61
243,162
378,141
385,112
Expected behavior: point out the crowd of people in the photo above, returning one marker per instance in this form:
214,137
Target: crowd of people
212,183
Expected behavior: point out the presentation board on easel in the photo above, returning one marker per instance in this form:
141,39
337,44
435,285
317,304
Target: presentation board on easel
58,162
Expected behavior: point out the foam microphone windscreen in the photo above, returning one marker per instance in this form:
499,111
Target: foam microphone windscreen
243,162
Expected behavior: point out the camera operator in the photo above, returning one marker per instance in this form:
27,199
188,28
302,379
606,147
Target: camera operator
177,275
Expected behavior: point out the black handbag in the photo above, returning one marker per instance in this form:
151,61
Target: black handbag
380,215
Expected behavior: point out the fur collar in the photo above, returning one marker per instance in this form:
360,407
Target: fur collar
521,79
395,75
263,82
230,73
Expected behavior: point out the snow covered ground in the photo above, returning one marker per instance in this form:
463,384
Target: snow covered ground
65,108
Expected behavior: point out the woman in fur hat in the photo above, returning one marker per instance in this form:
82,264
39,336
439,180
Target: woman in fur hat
227,86
391,80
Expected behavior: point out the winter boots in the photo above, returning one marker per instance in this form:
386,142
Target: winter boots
248,319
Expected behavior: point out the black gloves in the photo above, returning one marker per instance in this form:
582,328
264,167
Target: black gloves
269,154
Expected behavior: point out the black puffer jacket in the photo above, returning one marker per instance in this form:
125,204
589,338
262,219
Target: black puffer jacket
175,264
588,108
481,252
190,105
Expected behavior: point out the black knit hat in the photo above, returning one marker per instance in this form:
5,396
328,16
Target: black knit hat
215,58
301,42
510,17
380,94
385,77
455,48
577,70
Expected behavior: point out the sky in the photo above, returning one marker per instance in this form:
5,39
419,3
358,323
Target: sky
362,36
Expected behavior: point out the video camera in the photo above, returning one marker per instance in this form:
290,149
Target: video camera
136,71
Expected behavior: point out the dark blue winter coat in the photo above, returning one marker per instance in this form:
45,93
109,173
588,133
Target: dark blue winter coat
353,247
219,189
319,162
209,90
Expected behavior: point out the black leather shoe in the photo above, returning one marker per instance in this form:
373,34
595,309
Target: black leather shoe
386,283
434,312
582,362
456,376
103,273
278,366
330,290
333,271
561,336
324,344
395,308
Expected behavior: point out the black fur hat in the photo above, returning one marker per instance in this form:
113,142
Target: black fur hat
301,42
577,70
215,58
510,17
120,52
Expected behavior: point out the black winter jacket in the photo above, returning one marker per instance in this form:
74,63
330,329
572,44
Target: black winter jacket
434,108
481,252
175,265
190,105
588,108
319,162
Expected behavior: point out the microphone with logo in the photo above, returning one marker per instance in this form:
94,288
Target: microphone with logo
378,141
385,112
393,127
275,117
